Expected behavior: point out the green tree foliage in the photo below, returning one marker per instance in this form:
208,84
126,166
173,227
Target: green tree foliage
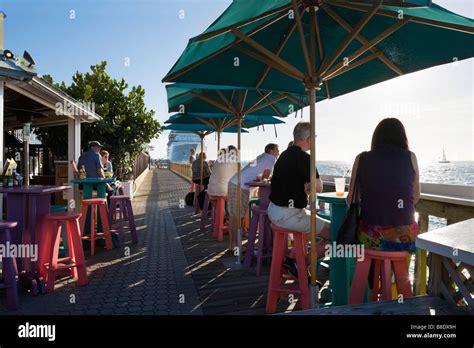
126,126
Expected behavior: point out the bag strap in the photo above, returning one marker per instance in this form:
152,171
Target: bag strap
356,182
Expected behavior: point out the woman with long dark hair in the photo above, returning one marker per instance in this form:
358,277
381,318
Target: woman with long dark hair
389,188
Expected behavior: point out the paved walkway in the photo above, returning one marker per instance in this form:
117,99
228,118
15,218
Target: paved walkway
144,278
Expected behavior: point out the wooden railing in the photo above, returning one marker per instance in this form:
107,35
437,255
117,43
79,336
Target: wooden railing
183,169
140,164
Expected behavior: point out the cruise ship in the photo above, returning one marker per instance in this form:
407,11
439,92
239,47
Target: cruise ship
179,145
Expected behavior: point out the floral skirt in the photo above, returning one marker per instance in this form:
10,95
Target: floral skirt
388,238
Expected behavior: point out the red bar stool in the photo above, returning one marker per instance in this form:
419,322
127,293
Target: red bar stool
192,187
219,212
9,268
124,205
259,223
383,262
75,261
275,283
101,204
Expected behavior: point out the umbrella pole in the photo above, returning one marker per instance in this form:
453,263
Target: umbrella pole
239,222
312,196
218,142
202,160
26,161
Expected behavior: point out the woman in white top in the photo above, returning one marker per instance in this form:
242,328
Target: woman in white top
223,170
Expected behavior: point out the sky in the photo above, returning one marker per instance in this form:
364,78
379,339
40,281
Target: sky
141,40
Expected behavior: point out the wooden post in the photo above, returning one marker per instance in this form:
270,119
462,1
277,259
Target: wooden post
2,145
202,160
312,196
73,152
419,283
239,196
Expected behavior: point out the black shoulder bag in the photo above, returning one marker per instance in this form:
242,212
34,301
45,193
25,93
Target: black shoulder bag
348,231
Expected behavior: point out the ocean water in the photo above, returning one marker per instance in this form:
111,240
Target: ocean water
455,173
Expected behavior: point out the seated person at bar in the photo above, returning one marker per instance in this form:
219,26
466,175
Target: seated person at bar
107,165
223,170
389,188
249,173
289,193
108,171
92,164
206,171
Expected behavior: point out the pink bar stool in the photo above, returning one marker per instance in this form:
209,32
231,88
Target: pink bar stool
101,204
259,224
75,261
124,206
276,288
383,262
9,269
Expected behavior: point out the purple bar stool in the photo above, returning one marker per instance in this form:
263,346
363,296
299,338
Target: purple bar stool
197,190
260,223
205,212
124,204
9,268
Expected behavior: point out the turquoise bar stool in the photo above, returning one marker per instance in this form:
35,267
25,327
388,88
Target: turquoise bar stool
340,269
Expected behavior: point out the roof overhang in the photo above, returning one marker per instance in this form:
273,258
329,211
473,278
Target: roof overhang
45,103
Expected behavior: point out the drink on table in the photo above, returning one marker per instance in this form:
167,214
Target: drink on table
82,173
340,184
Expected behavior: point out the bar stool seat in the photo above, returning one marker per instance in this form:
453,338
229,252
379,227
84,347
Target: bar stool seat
9,268
383,263
4,225
75,261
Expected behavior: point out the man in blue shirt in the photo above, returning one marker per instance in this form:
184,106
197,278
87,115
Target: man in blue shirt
90,160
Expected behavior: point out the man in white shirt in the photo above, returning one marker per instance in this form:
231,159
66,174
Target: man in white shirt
263,163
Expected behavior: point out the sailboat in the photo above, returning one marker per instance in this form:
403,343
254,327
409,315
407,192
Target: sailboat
443,159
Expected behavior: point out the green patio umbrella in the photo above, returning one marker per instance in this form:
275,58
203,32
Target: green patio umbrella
236,104
221,122
200,129
325,48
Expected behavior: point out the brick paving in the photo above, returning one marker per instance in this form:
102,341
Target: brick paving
147,278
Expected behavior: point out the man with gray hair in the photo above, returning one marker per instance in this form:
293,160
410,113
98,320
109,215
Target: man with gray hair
259,167
289,192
